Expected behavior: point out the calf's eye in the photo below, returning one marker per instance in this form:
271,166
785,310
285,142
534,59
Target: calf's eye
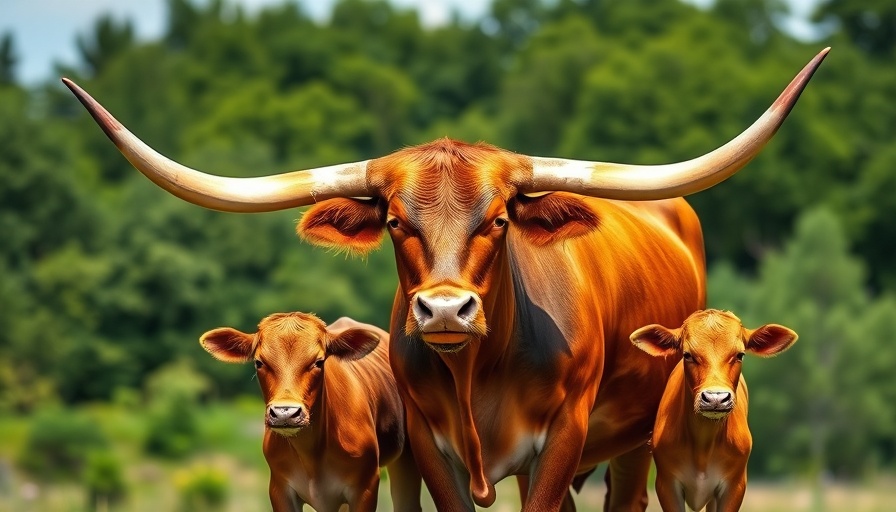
393,223
688,356
740,356
258,364
319,364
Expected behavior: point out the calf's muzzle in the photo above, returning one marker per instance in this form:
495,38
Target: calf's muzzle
715,403
286,416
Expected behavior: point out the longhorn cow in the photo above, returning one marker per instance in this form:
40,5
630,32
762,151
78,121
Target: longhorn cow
520,280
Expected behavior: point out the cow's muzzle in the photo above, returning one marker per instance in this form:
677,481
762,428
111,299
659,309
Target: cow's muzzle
447,319
715,403
286,419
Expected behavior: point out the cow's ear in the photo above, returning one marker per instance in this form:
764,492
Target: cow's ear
657,340
228,345
352,344
552,217
769,340
355,225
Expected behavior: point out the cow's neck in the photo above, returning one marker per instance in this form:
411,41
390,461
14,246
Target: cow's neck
309,441
479,359
704,433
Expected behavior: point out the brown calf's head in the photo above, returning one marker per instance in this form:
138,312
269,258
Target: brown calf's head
289,351
712,344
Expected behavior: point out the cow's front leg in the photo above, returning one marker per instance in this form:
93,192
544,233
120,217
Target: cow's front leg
559,459
733,496
283,497
669,493
364,499
440,477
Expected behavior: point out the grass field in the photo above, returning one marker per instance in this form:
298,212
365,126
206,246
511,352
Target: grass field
231,447
154,490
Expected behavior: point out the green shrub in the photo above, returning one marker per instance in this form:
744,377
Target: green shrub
58,444
202,488
173,428
104,480
174,392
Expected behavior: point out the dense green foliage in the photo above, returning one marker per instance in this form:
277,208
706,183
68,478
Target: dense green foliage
107,279
60,444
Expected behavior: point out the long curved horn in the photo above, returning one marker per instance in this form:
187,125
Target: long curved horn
241,195
646,182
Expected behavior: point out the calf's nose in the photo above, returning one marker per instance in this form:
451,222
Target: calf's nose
293,415
716,399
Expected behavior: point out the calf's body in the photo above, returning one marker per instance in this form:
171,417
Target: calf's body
701,440
700,460
333,415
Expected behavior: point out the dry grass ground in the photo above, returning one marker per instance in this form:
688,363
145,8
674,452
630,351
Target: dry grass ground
154,488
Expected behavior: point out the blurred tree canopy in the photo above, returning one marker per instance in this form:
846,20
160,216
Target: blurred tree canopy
107,279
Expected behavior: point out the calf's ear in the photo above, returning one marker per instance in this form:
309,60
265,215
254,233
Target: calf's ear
552,217
769,340
657,340
228,344
354,225
352,344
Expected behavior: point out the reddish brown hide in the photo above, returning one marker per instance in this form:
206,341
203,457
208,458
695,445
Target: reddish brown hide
701,440
333,415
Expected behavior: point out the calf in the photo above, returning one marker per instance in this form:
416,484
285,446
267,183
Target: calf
701,441
333,414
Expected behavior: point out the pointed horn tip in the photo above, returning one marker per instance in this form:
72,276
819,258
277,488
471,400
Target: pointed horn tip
792,92
97,111
75,88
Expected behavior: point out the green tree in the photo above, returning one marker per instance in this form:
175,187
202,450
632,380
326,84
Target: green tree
870,24
539,94
108,40
8,59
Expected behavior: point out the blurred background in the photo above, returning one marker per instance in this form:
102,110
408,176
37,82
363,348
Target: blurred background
107,401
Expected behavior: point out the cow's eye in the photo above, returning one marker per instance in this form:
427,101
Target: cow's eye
393,223
688,356
500,222
258,364
740,356
319,364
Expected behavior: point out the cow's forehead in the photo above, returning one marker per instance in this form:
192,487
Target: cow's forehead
713,332
446,169
291,336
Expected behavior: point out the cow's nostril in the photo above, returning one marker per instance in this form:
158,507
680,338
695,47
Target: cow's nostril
298,412
715,397
468,309
421,309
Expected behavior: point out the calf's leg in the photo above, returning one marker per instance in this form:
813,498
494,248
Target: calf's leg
405,482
